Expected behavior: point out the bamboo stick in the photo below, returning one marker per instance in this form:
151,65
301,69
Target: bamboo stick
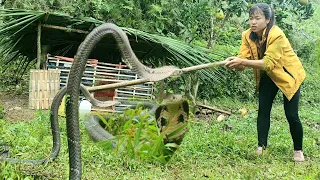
143,80
134,93
65,29
117,85
130,98
203,66
214,109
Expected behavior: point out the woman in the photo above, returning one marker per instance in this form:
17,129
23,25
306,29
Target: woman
266,49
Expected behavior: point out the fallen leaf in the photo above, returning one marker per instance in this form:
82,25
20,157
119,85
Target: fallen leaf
221,118
243,111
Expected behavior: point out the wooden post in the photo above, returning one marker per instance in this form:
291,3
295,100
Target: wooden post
65,29
39,47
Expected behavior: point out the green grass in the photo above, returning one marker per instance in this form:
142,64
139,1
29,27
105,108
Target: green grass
207,152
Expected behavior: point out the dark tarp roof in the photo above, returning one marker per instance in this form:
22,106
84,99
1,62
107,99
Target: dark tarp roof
66,43
18,34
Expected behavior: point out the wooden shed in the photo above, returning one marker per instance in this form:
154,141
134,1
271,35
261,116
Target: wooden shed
32,35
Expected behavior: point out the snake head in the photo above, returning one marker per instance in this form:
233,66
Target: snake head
177,73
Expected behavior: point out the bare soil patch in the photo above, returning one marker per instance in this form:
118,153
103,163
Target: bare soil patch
16,106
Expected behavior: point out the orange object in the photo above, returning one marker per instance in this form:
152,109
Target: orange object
94,62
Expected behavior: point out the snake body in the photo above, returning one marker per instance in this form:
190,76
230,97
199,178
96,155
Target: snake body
55,125
72,92
99,133
74,80
171,118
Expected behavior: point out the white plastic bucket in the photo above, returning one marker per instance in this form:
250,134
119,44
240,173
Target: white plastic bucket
84,107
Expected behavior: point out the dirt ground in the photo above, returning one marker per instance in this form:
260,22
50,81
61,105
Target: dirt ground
16,106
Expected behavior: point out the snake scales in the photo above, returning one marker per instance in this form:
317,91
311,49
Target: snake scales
55,126
74,81
72,92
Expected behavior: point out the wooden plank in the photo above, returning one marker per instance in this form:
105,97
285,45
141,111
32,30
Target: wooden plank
56,83
124,96
46,90
31,90
42,89
57,80
101,74
40,76
35,97
94,75
133,93
65,78
101,64
137,88
35,90
53,80
214,109
51,88
98,72
103,110
109,64
99,67
130,98
54,77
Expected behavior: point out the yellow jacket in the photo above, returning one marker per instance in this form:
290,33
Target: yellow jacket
280,61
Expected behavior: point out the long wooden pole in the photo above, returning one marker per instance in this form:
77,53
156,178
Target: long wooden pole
39,46
203,66
117,85
143,80
65,29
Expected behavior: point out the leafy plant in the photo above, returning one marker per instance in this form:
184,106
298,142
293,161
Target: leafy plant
137,136
8,171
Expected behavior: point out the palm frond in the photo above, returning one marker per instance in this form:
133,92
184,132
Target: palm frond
183,55
17,22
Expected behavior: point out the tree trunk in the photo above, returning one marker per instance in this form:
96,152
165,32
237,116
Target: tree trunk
39,47
210,41
216,37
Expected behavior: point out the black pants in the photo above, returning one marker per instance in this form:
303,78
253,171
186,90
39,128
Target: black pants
267,93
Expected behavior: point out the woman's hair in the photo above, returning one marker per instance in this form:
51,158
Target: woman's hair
267,11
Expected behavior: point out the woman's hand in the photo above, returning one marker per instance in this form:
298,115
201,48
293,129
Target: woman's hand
240,64
240,68
235,63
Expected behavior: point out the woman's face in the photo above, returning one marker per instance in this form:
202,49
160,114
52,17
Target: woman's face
258,22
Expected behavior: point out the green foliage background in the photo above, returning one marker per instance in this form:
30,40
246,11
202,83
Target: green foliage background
190,21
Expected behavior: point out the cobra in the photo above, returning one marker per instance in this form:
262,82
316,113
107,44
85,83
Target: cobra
55,126
145,73
72,90
77,69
